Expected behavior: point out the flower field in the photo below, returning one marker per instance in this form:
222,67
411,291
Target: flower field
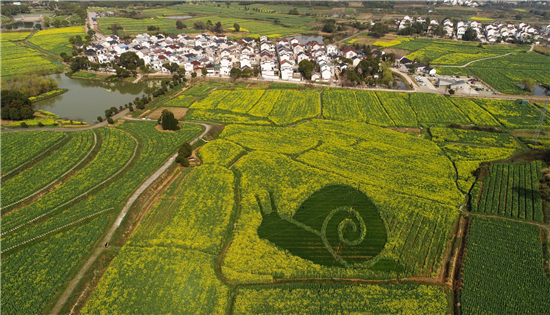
361,106
153,280
241,101
511,191
358,160
17,59
223,117
46,266
503,259
398,108
293,106
474,137
339,299
18,147
220,152
512,114
48,170
474,112
433,108
57,40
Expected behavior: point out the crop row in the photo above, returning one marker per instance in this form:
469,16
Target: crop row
219,152
48,170
512,114
512,191
433,108
502,269
32,276
157,147
20,147
474,112
116,150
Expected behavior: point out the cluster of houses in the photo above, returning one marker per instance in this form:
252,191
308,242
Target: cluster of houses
489,33
277,60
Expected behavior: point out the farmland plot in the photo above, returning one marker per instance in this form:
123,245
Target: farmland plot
57,40
265,105
371,108
340,104
48,170
293,106
20,147
45,266
17,59
503,259
212,100
433,108
240,101
398,108
219,152
336,299
512,114
474,112
512,191
474,137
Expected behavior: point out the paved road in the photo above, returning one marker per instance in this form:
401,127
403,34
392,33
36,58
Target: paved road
95,254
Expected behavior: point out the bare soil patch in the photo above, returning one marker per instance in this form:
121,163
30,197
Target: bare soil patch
179,112
397,52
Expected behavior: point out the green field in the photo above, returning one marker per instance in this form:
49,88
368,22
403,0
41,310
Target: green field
503,259
298,200
510,191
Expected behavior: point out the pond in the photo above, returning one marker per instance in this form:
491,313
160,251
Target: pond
87,99
304,39
538,90
20,25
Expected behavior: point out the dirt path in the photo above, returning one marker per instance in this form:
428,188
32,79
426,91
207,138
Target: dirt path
72,285
356,34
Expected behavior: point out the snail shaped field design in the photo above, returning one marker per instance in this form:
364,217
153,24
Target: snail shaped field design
337,226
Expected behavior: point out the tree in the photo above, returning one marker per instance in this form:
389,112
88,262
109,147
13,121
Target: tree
412,69
208,24
235,73
99,119
130,60
193,74
470,34
199,25
218,28
110,120
329,27
15,105
180,25
306,67
184,151
528,84
204,71
246,73
168,121
237,27
451,92
294,12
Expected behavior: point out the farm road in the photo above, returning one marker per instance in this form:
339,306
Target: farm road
95,254
469,63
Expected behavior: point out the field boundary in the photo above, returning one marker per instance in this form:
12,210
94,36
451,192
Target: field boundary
61,176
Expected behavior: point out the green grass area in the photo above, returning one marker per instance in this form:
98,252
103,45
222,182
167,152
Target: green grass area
502,269
336,226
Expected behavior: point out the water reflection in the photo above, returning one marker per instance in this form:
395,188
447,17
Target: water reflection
87,99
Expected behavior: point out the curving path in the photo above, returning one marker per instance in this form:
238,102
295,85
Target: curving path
469,63
95,254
